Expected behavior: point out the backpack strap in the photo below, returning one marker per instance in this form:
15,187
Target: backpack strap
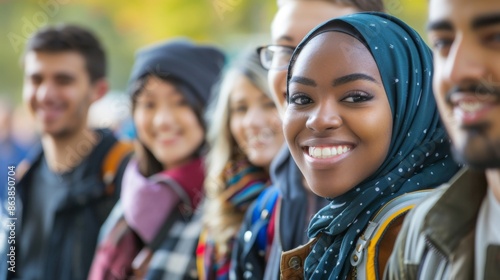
114,163
261,215
140,264
365,256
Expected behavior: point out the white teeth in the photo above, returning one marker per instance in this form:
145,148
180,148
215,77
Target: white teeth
317,153
470,107
327,152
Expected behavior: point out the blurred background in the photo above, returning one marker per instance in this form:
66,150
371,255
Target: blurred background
125,26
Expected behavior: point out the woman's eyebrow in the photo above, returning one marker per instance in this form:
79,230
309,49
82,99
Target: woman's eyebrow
351,78
303,80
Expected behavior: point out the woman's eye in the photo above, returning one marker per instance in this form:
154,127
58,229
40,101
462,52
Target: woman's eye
300,99
182,102
146,104
357,97
269,105
239,109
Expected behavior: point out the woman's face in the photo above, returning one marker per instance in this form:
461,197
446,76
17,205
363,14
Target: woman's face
338,122
254,123
291,23
166,124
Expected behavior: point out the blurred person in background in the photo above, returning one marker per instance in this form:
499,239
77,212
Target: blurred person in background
67,186
112,112
11,149
244,135
296,204
153,231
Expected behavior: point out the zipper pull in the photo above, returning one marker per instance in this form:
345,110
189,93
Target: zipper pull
363,241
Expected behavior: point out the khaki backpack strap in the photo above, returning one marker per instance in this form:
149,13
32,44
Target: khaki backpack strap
373,269
112,162
368,252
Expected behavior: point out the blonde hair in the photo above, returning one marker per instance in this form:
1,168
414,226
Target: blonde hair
221,217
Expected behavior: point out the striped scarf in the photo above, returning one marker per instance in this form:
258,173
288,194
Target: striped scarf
244,183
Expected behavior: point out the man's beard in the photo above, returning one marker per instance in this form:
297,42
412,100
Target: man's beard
479,150
488,156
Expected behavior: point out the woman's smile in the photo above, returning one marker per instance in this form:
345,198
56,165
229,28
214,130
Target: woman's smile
338,122
326,152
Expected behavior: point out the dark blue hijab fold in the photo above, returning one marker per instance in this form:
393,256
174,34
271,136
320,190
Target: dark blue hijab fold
419,154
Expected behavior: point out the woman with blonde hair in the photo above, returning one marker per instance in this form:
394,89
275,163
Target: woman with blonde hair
244,137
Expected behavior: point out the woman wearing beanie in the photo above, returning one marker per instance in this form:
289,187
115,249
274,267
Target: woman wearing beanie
153,231
244,137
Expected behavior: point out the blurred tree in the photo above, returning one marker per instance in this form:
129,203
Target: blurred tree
124,26
412,12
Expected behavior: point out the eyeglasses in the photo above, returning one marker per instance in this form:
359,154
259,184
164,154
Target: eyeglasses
275,57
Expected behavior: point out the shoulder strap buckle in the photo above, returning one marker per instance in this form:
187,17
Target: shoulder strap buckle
357,254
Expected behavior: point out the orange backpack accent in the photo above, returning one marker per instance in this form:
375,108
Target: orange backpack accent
111,163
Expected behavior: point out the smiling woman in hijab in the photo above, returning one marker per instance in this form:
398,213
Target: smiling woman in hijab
363,127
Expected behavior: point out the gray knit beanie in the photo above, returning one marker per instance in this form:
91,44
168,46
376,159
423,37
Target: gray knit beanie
197,66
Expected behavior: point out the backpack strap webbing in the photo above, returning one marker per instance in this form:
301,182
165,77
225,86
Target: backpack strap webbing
112,162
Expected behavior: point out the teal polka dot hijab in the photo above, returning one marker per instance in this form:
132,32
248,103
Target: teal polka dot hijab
419,154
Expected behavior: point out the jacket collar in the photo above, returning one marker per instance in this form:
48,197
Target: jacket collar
33,156
455,212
